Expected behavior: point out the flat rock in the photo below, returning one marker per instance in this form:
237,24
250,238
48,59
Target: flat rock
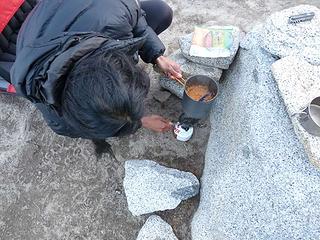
223,62
298,82
150,187
189,68
303,39
156,229
257,182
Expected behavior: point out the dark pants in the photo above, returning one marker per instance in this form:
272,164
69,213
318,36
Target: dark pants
158,14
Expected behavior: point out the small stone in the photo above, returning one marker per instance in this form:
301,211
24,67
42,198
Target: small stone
118,191
302,39
150,187
161,96
156,229
222,62
171,85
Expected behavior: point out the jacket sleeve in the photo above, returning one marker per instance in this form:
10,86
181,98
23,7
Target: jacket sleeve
153,47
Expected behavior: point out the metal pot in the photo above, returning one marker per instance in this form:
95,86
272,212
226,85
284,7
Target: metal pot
309,118
199,109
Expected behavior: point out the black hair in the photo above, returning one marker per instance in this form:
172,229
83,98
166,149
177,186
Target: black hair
104,96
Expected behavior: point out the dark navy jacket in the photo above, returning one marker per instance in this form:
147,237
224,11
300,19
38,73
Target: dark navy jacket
58,33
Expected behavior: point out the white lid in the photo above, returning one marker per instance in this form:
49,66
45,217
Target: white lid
181,134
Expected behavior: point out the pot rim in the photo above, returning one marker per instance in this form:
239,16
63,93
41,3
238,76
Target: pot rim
215,82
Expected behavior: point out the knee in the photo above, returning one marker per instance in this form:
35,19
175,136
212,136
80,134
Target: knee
158,14
167,14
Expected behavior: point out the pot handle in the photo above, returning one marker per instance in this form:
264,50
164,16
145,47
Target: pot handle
300,115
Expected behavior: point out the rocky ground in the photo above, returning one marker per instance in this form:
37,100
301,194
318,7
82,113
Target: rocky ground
53,187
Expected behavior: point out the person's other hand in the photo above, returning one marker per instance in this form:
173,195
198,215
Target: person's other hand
169,67
156,123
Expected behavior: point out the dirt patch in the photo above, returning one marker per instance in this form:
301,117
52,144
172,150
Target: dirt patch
53,187
164,149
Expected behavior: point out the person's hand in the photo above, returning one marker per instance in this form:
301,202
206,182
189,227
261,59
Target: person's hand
156,123
169,67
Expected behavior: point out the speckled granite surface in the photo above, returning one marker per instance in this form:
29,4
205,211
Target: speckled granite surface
298,83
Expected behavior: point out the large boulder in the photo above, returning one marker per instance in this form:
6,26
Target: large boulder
257,181
222,62
156,229
150,187
303,39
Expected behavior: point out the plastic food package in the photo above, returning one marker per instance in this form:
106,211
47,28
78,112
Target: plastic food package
212,42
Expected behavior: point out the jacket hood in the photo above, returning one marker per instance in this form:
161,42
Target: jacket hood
40,70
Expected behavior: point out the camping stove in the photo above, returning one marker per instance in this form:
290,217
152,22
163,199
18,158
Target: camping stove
183,129
194,110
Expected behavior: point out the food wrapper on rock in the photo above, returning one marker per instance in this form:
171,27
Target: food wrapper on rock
212,41
214,46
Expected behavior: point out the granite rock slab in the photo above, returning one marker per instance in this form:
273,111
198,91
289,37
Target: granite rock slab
156,229
222,63
298,83
258,182
150,187
252,40
302,39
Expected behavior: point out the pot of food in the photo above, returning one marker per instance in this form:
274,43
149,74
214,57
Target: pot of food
199,93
